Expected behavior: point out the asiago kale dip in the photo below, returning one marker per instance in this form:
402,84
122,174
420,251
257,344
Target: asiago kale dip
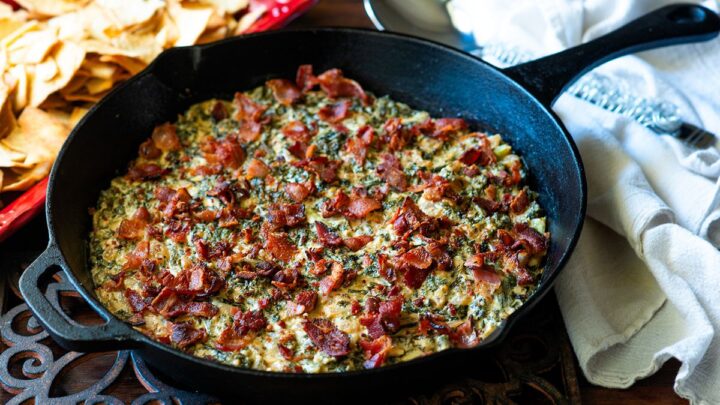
311,227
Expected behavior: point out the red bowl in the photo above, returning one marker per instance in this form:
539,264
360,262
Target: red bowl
31,202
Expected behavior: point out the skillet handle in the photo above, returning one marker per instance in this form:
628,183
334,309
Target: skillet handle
112,335
546,78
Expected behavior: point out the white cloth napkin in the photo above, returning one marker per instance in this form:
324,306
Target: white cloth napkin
644,282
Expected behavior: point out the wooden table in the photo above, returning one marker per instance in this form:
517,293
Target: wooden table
654,390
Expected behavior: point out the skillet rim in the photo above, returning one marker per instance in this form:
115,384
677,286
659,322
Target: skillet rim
141,341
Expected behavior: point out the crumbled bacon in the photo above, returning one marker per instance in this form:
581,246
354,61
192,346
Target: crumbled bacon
385,268
257,169
225,152
515,175
335,206
356,243
267,269
435,187
416,266
298,192
177,230
441,128
305,79
297,131
465,336
439,253
284,91
227,191
249,321
247,109
325,168
408,217
286,279
135,301
391,171
482,155
148,150
134,228
335,84
376,351
219,111
327,237
165,137
336,112
282,215
230,341
490,206
144,172
278,245
304,302
396,135
203,281
520,202
184,335
333,280
360,207
358,145
327,337
536,241
482,273
382,317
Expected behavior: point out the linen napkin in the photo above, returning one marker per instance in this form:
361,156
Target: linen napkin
644,282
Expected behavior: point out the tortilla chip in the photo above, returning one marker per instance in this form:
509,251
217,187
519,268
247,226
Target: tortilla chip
227,6
77,114
132,65
52,7
17,179
32,47
8,25
68,57
21,91
39,135
123,14
191,20
7,117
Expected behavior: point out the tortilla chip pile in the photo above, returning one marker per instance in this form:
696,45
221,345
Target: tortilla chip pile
57,57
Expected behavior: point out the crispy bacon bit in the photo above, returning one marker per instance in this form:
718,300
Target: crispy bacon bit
325,168
247,109
376,351
439,253
305,79
442,128
358,145
227,191
285,352
165,137
356,243
408,217
482,155
520,202
135,301
482,273
257,169
391,171
304,302
332,281
134,228
282,215
298,192
267,269
335,206
435,187
360,207
224,152
203,282
284,91
145,172
297,131
279,246
515,175
382,317
249,321
335,84
327,237
396,135
177,230
490,206
430,322
327,337
230,341
184,335
336,112
219,111
416,265
536,241
465,336
148,150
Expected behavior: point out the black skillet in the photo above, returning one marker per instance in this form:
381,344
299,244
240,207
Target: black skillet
446,82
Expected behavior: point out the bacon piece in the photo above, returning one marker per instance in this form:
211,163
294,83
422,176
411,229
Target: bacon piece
305,79
327,337
335,84
219,111
336,112
135,301
465,336
257,169
417,257
284,91
414,277
165,137
396,135
134,228
279,246
441,128
145,172
249,321
327,237
304,302
148,150
382,317
184,335
536,241
356,243
225,152
358,145
435,187
376,351
202,281
432,322
439,253
360,207
482,273
227,191
490,206
408,217
391,171
282,215
325,168
297,131
247,109
298,192
230,341
333,280
335,206
482,155
520,202
177,230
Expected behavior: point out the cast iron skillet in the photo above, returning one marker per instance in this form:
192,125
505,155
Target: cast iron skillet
446,82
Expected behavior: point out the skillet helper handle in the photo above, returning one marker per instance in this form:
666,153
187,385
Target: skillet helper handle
546,78
112,335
